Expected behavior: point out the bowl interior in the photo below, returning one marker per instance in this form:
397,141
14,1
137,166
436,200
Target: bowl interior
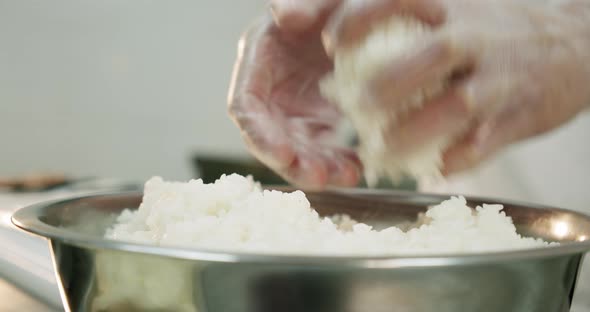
92,215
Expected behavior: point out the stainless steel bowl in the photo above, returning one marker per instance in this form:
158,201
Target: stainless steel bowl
102,275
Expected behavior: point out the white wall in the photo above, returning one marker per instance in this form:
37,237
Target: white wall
117,88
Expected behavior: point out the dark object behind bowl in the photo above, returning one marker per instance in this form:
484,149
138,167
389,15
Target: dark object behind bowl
211,167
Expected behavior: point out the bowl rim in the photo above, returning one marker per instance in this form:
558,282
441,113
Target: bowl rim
27,219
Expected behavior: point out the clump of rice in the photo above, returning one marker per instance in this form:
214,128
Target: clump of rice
236,214
354,67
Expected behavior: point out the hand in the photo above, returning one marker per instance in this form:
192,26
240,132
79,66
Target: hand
275,101
517,68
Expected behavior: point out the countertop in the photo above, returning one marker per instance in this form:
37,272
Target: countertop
13,298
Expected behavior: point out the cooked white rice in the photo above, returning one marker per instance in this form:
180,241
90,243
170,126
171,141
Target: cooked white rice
235,214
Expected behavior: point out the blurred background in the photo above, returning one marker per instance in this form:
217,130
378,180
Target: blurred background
112,89
124,89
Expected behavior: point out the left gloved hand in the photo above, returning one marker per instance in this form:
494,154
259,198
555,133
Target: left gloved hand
275,101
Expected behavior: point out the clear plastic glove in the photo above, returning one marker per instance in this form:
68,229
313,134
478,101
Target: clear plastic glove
518,68
275,101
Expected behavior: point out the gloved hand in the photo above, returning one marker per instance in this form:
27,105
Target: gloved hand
275,101
517,68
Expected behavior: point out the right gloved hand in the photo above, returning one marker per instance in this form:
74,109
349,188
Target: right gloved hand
275,101
517,69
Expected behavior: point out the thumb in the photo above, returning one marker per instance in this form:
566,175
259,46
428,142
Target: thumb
301,15
489,137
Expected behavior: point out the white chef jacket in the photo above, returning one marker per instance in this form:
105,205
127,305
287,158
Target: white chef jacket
553,169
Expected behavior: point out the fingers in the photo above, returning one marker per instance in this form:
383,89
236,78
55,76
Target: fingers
354,19
316,167
265,138
412,75
301,15
308,171
344,168
466,153
471,104
491,136
448,114
505,116
298,158
248,94
250,83
291,148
